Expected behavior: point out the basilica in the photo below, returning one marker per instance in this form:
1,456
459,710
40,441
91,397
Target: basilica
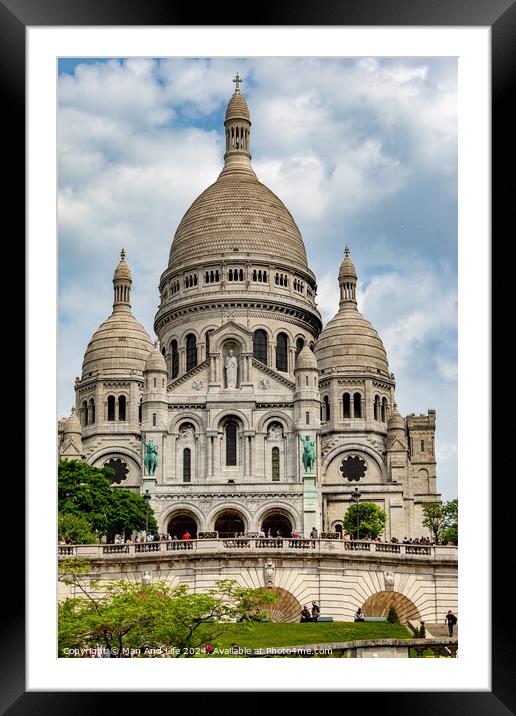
241,374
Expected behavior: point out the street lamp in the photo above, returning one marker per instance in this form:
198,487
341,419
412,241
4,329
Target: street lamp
146,497
355,496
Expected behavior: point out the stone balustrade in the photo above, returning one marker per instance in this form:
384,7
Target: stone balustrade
259,545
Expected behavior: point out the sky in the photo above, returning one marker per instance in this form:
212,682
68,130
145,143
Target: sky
362,151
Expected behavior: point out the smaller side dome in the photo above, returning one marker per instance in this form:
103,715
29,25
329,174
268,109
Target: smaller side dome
71,425
395,421
306,360
155,361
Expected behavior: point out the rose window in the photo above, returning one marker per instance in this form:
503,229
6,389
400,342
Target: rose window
353,468
120,468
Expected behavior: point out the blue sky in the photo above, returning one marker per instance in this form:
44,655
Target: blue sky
362,151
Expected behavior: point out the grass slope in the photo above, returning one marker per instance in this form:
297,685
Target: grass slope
263,635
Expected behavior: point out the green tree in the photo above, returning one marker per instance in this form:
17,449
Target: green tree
450,532
86,491
442,520
124,615
365,519
75,529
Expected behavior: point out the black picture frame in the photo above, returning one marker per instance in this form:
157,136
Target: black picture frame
500,16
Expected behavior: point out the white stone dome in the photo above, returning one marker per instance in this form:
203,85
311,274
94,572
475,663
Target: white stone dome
349,341
306,359
118,346
155,361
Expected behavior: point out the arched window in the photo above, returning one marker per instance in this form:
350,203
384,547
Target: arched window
121,407
191,351
282,352
231,443
422,446
111,407
174,359
357,405
91,413
84,413
140,411
326,407
187,465
207,338
347,405
376,407
384,410
299,345
260,345
275,464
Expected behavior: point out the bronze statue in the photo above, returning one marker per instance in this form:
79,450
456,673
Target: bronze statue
151,456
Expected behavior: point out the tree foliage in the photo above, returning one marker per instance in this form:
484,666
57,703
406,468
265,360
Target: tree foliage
75,529
149,619
441,518
365,519
451,529
87,492
392,616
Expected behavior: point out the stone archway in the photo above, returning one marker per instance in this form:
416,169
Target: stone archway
277,520
286,608
228,523
378,605
182,521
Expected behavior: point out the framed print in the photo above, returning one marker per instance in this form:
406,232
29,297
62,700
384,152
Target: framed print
219,436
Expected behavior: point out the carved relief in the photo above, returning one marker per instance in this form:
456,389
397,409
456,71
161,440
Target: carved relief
388,579
275,432
269,570
197,385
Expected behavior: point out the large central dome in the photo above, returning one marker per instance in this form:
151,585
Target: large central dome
237,212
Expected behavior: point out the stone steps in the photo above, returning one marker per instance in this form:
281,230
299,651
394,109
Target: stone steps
440,630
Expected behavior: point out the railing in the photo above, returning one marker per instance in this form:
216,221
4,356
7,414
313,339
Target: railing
261,545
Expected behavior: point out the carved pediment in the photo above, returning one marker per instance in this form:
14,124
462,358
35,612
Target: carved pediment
267,380
231,331
195,382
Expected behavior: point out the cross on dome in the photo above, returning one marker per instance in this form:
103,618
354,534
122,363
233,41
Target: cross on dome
346,252
122,254
237,80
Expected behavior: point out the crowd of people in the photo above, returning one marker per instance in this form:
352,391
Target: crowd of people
270,534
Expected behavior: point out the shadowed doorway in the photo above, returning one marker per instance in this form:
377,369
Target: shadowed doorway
229,523
181,523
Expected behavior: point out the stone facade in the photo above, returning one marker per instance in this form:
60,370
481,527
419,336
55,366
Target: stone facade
241,371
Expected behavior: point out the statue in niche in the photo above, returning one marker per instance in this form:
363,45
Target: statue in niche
231,365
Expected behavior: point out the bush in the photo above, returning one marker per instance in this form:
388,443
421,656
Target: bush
392,616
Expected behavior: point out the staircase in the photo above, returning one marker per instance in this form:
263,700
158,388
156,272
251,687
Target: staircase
440,630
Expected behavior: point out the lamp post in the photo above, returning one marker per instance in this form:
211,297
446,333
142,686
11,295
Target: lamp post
146,497
355,496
